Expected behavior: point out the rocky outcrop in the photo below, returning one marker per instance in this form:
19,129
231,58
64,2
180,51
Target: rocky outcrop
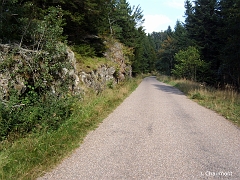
98,79
106,75
20,67
7,71
115,53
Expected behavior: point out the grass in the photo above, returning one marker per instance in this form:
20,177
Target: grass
30,157
88,64
224,102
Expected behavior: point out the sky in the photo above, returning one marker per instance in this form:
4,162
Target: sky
159,14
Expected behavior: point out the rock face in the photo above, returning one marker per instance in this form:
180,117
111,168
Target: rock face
99,78
105,74
7,80
115,53
18,70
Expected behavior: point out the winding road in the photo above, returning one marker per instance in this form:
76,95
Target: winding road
156,133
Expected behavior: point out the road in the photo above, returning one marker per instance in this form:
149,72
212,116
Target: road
156,133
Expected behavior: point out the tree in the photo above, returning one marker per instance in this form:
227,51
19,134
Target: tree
127,20
188,64
202,23
124,23
148,57
165,62
229,13
180,35
189,16
9,24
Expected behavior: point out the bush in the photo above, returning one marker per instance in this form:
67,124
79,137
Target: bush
38,113
84,50
197,96
189,65
40,63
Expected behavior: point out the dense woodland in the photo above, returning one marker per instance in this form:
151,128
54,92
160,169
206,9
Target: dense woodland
83,24
206,46
210,33
40,31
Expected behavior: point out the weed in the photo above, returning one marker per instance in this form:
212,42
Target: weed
225,102
110,84
197,96
31,156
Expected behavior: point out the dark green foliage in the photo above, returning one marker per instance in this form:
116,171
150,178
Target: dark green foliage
124,23
9,24
33,113
167,44
40,66
213,28
32,23
166,54
180,35
84,50
40,31
229,70
204,23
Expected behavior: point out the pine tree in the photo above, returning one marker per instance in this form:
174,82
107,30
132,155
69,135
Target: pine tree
202,24
230,36
166,54
180,35
9,25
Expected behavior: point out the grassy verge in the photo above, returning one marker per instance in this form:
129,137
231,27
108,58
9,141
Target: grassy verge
30,157
225,102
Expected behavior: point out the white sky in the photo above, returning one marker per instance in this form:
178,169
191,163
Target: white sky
159,14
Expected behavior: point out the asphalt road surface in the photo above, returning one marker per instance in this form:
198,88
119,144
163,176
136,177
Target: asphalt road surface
156,133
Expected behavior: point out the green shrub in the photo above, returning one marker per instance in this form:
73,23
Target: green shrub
34,114
84,50
189,65
197,96
110,84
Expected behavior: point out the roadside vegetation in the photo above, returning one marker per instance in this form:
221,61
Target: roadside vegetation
225,102
44,115
200,56
39,127
29,157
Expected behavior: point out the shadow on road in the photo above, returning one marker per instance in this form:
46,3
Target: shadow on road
168,89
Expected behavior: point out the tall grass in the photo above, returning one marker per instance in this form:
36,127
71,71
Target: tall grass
30,157
225,102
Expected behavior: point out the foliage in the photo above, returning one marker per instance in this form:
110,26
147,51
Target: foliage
40,24
225,102
188,64
204,24
212,27
33,114
40,67
181,40
9,26
29,157
84,50
166,56
230,37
